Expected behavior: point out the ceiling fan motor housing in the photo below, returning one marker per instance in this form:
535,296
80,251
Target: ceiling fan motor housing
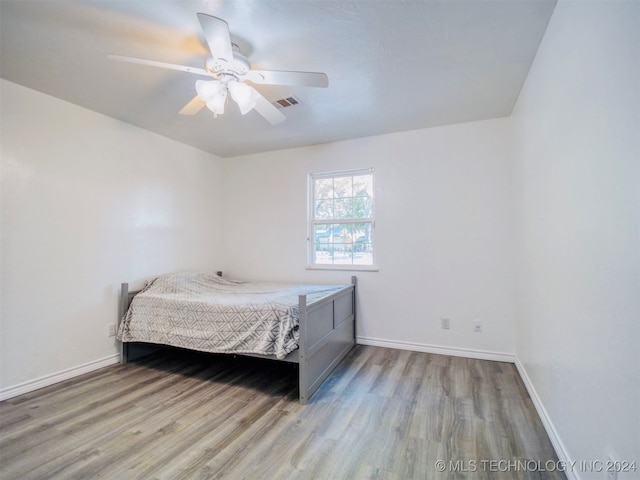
219,67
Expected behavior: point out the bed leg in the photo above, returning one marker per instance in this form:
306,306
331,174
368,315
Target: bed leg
354,282
124,300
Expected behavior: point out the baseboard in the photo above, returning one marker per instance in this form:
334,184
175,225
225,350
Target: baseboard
552,433
47,380
452,351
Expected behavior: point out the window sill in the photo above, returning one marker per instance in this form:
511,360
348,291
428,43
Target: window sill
349,268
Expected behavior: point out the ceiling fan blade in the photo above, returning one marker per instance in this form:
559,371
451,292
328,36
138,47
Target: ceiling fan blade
273,77
194,106
153,63
216,31
265,108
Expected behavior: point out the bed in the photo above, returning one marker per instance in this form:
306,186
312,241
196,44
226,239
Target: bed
310,325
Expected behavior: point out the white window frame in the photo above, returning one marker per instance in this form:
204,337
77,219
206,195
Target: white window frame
312,221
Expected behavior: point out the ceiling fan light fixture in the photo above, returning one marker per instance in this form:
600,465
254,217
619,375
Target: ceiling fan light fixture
207,89
214,93
216,103
245,96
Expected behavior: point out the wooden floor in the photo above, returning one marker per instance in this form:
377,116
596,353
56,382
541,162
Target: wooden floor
382,414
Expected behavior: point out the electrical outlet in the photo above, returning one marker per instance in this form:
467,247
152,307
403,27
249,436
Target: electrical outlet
445,323
477,325
112,330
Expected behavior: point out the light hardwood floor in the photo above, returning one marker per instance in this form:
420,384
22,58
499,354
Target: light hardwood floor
383,413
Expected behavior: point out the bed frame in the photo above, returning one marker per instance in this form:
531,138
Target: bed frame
327,333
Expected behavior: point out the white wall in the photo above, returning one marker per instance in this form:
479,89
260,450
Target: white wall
576,191
443,231
89,202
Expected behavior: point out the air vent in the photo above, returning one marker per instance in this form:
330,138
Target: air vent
286,102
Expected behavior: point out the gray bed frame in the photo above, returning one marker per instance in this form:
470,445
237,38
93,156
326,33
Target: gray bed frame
327,333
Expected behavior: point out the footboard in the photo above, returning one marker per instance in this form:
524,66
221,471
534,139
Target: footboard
327,333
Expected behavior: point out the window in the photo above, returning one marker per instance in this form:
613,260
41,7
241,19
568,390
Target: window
341,219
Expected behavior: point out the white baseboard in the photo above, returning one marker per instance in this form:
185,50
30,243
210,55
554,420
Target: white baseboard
453,351
47,380
552,433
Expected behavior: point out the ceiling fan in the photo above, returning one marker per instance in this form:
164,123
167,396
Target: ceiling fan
229,69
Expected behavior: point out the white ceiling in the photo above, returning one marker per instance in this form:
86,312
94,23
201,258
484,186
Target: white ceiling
392,65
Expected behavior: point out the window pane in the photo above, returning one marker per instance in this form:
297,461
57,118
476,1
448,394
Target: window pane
321,236
365,256
343,208
348,233
324,188
363,186
323,257
361,233
362,207
342,187
342,254
324,209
